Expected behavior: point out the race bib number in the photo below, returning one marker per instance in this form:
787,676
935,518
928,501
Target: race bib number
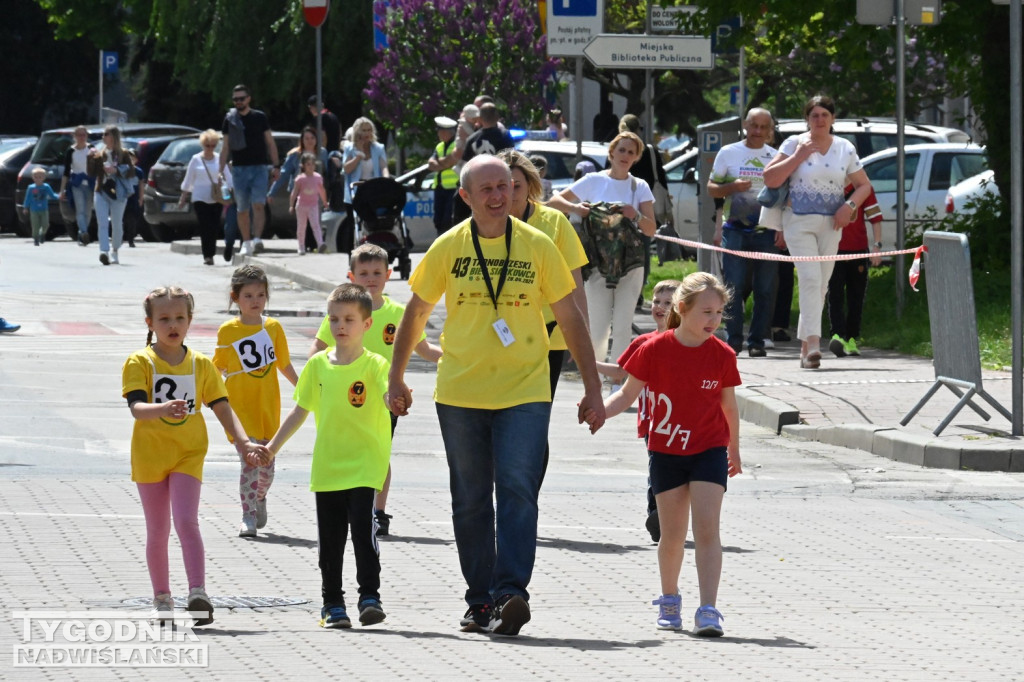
255,352
168,387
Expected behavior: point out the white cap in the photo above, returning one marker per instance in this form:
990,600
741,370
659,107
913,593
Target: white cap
444,122
471,111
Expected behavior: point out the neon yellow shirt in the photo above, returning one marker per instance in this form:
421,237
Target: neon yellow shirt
353,429
476,369
380,337
163,446
253,387
555,225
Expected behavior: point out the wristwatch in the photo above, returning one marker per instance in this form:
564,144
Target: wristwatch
852,204
877,245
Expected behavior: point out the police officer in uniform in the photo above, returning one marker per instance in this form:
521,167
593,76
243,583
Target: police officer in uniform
443,161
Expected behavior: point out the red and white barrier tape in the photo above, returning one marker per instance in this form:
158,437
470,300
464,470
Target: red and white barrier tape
913,275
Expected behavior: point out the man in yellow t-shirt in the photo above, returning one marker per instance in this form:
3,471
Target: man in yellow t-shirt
493,396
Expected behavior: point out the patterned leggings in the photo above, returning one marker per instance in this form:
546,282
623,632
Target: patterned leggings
253,484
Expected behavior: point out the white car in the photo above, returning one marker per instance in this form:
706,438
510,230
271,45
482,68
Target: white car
871,135
961,195
930,170
683,185
561,158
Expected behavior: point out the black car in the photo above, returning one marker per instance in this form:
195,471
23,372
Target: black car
170,222
49,153
14,154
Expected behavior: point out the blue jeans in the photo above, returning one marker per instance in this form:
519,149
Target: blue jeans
250,183
502,452
763,280
112,210
83,205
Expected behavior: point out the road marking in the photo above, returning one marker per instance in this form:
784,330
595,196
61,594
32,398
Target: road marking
941,538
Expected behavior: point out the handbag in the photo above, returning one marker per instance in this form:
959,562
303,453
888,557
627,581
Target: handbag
217,191
774,197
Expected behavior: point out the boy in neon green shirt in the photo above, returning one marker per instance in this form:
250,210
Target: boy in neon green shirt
345,389
368,267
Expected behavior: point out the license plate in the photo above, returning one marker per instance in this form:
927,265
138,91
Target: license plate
168,207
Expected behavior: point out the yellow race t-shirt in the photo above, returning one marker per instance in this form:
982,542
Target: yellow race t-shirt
380,337
555,225
477,369
353,429
162,446
247,356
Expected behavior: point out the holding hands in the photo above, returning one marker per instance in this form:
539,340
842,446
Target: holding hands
254,453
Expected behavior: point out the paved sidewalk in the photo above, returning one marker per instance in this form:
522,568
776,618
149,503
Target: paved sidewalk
853,401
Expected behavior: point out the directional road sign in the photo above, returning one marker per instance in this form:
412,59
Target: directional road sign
610,51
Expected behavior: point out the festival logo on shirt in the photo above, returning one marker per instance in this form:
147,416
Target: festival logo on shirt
357,394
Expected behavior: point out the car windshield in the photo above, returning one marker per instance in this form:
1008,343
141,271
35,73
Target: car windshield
51,147
179,152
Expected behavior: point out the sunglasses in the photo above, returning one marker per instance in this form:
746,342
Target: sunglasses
240,99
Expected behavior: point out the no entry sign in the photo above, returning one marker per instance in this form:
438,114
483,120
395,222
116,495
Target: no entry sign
315,11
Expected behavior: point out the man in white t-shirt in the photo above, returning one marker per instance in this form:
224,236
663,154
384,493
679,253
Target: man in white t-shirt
737,177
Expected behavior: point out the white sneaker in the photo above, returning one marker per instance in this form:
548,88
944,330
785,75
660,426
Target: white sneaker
246,249
768,343
247,529
198,602
104,258
113,258
257,246
163,607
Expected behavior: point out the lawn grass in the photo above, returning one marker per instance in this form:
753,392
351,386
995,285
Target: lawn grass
910,332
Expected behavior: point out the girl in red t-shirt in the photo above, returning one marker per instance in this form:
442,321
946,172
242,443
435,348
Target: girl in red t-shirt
693,440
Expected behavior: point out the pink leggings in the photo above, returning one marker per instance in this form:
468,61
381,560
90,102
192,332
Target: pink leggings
304,212
176,495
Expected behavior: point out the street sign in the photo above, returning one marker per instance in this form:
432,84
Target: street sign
109,62
571,25
611,51
723,40
883,12
666,19
315,11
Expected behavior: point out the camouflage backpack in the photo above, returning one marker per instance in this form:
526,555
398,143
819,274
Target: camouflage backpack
613,243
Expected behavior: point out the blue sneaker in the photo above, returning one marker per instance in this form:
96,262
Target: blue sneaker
668,611
707,622
8,327
334,617
371,611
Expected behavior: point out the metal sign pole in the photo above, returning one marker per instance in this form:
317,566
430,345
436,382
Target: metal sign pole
578,110
1016,217
901,190
99,118
319,97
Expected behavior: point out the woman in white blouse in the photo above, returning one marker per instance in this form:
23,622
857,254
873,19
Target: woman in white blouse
202,172
817,165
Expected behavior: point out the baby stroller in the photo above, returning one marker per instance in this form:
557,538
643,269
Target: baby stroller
378,205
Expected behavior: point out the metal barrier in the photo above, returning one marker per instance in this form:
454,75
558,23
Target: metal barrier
954,326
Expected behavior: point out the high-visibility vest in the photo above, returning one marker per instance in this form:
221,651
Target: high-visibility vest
448,178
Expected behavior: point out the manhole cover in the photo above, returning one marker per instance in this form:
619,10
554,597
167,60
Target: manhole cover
225,602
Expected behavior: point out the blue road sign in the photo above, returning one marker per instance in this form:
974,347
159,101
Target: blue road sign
110,64
573,8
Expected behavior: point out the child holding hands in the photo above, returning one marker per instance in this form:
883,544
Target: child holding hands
305,202
690,376
165,385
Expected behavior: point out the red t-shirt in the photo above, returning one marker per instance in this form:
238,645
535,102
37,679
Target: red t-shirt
643,404
685,392
855,235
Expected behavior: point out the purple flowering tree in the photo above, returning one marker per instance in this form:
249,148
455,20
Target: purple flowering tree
443,53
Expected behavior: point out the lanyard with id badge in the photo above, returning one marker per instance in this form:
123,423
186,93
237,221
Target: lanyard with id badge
500,326
168,387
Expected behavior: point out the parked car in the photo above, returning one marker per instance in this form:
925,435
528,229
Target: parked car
960,196
871,135
170,222
561,158
49,153
930,170
14,154
684,186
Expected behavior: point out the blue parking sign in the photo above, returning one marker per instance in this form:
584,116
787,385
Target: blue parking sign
109,61
574,8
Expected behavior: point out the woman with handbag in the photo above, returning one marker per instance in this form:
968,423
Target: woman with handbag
208,190
816,165
113,169
611,301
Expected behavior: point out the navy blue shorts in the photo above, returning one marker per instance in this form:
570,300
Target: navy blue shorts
672,471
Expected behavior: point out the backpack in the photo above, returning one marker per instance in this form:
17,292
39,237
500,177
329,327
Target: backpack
668,251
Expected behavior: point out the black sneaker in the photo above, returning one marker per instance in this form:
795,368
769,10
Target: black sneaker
780,335
512,612
83,239
653,525
371,611
229,251
756,351
383,523
478,618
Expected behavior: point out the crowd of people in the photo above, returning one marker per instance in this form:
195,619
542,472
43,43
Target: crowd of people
514,271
